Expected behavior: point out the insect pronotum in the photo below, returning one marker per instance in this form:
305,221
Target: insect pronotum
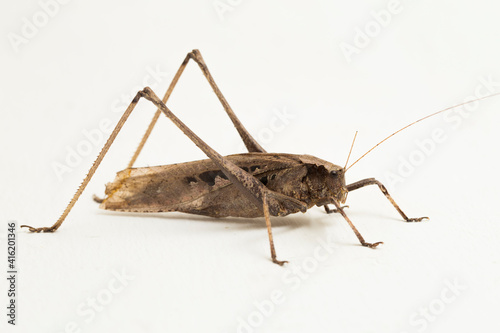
253,184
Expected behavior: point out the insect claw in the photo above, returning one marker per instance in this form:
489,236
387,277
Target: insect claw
97,199
417,219
30,228
372,245
279,262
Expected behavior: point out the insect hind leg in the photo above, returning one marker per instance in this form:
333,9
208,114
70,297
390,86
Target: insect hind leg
251,144
92,170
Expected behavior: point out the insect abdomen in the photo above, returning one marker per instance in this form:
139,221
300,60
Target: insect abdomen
200,188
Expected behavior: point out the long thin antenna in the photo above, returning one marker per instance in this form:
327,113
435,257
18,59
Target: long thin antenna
350,150
413,123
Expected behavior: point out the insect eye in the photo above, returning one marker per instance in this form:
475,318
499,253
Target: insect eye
333,173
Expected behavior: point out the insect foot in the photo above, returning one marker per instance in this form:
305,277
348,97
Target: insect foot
330,211
42,229
417,219
372,245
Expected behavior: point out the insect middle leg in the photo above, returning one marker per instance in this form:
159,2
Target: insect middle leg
373,181
270,232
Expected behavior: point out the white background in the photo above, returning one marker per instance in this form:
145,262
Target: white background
188,273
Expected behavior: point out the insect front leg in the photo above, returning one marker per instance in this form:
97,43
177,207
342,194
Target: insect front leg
360,238
373,181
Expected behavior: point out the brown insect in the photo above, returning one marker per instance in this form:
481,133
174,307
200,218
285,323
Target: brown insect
253,184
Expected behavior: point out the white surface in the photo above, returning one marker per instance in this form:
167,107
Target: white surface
199,274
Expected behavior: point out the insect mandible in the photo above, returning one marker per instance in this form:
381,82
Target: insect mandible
251,185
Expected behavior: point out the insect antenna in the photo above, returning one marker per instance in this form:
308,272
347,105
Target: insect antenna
350,150
419,120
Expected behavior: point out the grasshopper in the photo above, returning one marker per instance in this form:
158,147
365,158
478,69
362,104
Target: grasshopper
250,185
